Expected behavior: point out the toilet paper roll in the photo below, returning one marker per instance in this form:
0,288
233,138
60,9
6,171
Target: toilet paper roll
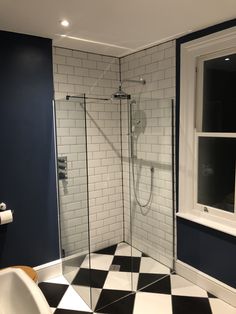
3,206
6,217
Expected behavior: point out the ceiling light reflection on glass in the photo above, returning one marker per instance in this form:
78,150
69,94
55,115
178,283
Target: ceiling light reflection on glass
65,23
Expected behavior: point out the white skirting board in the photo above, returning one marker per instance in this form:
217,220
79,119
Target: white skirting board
54,268
210,284
49,270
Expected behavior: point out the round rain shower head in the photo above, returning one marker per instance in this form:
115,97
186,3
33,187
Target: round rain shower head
120,94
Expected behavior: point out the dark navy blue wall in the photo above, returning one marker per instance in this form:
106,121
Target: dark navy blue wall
27,176
208,250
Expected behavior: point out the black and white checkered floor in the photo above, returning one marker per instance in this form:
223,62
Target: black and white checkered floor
170,294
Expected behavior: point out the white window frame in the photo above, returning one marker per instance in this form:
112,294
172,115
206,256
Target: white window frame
191,52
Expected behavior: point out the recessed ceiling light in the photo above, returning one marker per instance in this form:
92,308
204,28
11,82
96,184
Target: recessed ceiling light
65,23
227,59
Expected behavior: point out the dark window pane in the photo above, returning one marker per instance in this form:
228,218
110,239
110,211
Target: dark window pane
219,94
216,172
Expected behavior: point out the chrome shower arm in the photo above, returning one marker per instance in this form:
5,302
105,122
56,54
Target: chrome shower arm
141,81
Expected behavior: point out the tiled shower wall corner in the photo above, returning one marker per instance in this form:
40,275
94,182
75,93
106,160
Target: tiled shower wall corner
78,72
152,232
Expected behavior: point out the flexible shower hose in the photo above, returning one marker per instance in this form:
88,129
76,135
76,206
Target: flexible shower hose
144,205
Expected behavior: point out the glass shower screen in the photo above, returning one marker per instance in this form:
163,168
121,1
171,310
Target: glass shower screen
73,190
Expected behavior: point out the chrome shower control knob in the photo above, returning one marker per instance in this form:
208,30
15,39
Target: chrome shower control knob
3,206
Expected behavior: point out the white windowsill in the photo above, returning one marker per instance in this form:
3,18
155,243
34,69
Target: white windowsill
229,229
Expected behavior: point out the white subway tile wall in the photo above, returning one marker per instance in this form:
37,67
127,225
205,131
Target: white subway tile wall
152,232
78,72
75,73
73,197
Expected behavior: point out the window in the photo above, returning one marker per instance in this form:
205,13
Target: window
208,130
216,132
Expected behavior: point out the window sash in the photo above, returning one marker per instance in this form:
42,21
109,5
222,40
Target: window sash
203,208
200,82
206,209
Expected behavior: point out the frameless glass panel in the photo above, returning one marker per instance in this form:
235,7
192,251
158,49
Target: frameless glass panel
216,172
148,196
73,193
219,94
111,256
129,149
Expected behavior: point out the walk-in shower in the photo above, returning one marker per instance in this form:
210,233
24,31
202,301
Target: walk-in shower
116,204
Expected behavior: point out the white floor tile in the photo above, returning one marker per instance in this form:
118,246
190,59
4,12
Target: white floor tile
71,275
98,261
59,279
95,296
152,303
181,286
53,309
126,250
72,301
149,265
69,268
88,294
121,281
84,292
220,307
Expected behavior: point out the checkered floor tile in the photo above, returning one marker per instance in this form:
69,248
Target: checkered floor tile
149,288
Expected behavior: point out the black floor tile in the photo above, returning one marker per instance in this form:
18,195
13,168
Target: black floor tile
110,250
162,286
193,305
211,295
127,263
147,279
108,296
53,292
94,278
62,311
124,306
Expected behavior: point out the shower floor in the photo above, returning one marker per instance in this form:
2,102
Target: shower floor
170,295
116,272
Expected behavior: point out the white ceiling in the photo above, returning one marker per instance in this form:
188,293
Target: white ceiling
112,27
